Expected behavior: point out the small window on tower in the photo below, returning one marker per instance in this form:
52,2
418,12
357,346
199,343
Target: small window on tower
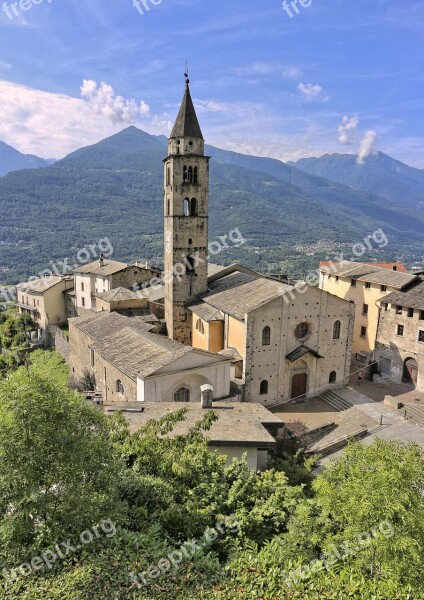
190,265
193,207
195,175
186,207
185,174
190,174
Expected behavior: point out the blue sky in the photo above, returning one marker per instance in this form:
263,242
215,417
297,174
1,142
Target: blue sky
338,76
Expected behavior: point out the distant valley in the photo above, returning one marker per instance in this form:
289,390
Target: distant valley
290,215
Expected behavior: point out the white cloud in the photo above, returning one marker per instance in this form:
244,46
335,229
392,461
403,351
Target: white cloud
52,125
103,101
367,146
311,91
262,69
347,130
211,105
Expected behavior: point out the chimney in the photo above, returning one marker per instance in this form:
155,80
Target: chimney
101,260
206,392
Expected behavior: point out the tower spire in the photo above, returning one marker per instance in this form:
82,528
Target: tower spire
187,124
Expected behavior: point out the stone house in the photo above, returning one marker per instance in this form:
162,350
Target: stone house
400,339
104,275
364,285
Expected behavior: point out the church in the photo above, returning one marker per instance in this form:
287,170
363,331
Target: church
147,335
284,342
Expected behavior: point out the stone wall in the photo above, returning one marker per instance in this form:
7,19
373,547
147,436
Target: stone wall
60,342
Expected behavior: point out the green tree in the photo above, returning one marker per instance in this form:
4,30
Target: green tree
59,472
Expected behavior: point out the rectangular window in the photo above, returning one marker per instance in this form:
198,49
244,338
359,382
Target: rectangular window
398,310
421,315
337,277
383,288
92,357
367,285
400,330
83,301
421,336
365,309
363,332
410,312
82,286
353,282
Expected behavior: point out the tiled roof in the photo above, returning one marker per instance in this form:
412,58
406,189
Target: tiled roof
100,325
108,267
40,285
238,424
369,273
239,293
139,353
187,124
301,351
119,294
412,298
207,313
232,353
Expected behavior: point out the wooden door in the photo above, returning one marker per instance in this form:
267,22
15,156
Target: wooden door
410,372
299,385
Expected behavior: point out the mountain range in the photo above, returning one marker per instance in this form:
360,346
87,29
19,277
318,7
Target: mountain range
13,160
290,218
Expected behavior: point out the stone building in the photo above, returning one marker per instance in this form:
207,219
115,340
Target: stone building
104,275
400,338
132,363
44,300
365,285
293,342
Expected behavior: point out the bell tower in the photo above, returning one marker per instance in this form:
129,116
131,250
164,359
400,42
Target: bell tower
186,220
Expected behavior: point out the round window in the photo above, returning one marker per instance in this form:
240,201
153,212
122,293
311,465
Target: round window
302,331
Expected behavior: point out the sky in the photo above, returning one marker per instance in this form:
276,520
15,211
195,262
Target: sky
304,79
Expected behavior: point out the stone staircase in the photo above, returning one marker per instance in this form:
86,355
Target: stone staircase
413,413
335,401
352,424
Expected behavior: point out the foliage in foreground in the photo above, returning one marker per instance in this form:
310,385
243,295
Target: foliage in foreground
356,532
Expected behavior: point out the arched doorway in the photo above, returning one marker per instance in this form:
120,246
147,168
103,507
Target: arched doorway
410,372
299,385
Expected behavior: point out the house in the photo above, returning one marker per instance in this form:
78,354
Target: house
104,275
44,300
240,429
363,284
399,349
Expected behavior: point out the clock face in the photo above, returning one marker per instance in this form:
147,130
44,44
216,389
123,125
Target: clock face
168,241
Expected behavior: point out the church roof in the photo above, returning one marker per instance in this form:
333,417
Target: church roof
187,124
239,293
119,294
105,267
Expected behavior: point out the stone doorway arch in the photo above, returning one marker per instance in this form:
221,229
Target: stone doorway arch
410,372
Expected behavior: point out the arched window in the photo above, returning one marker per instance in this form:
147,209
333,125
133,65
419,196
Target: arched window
195,176
336,330
193,207
119,387
263,388
190,174
266,336
200,327
185,174
182,395
190,264
333,377
186,207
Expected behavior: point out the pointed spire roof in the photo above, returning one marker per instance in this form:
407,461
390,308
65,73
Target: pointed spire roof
187,124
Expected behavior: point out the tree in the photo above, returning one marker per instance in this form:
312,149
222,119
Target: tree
59,472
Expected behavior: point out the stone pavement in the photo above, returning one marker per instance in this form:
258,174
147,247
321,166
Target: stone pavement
393,427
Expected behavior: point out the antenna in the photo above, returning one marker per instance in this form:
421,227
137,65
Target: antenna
187,80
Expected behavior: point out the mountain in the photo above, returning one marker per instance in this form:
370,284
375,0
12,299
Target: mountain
379,174
290,219
12,160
